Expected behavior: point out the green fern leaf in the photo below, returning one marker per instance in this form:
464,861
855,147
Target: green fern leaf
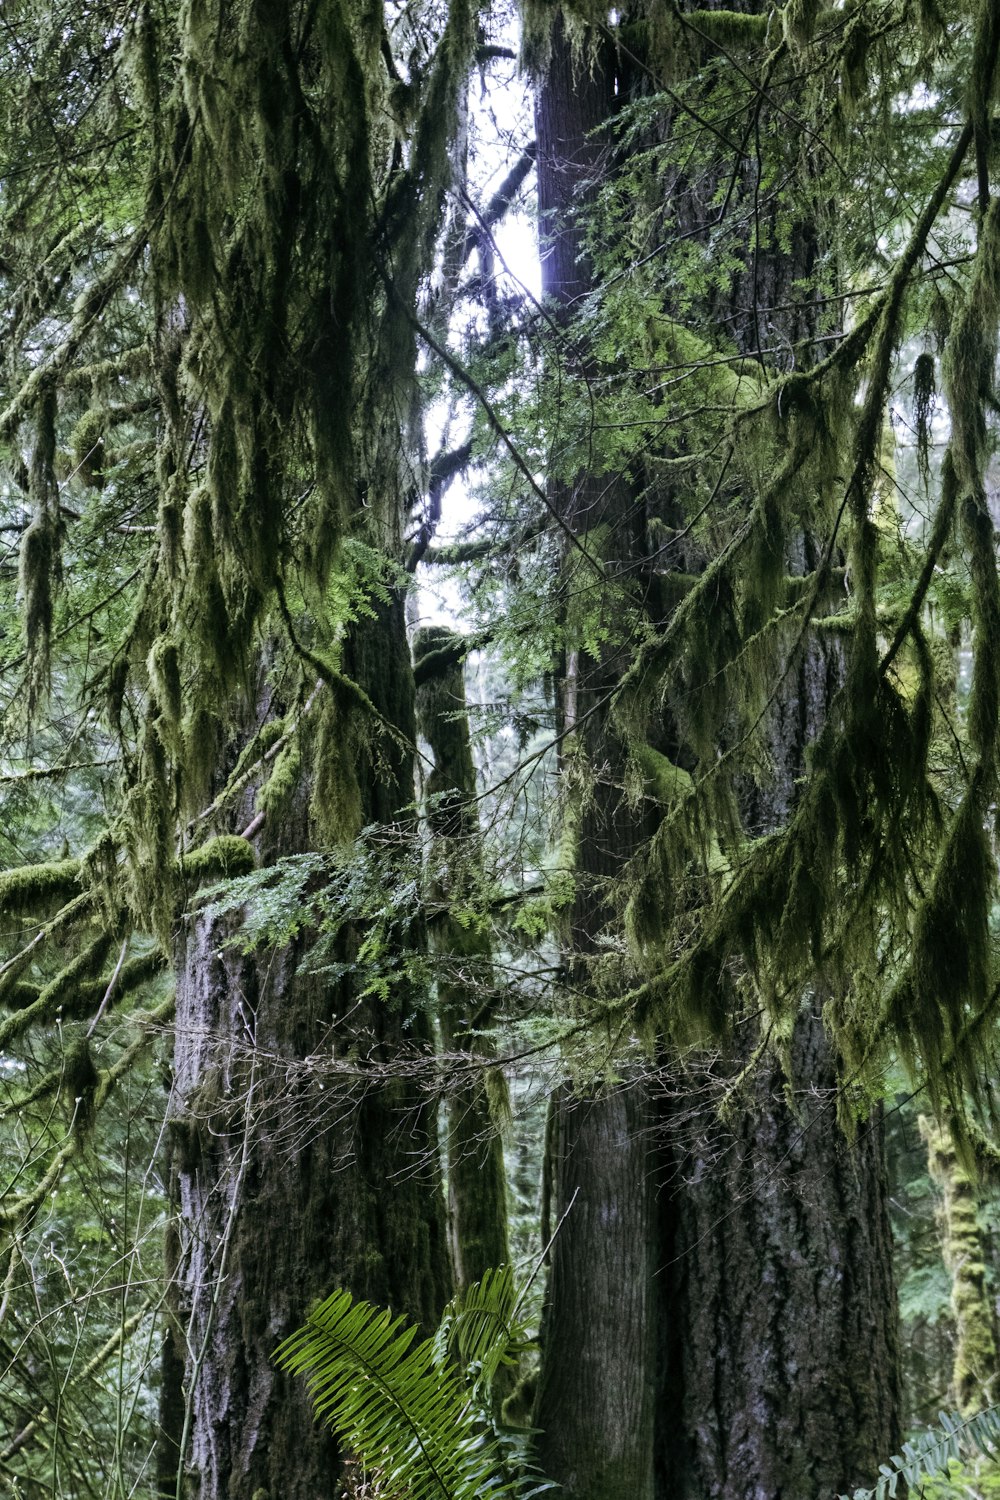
954,1437
394,1404
481,1328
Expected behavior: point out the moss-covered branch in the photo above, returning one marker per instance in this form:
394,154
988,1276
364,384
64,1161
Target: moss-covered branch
31,887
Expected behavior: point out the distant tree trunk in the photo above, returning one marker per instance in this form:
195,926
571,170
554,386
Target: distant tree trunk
170,1414
974,1369
290,1185
595,1398
477,1181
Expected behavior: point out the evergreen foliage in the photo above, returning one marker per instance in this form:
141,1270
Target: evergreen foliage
954,1439
234,246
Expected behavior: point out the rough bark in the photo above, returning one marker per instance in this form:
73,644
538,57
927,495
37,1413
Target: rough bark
597,1384
772,1303
291,1183
780,1359
594,1404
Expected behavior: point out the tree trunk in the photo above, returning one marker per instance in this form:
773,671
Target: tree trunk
597,1387
594,1405
477,1179
780,1370
974,1368
292,1180
767,1297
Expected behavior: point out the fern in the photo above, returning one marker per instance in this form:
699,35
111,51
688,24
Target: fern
933,1451
480,1327
398,1407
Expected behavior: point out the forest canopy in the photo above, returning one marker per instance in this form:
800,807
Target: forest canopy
499,778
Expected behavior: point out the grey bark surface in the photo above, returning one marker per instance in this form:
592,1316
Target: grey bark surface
595,1397
597,1384
780,1361
288,1184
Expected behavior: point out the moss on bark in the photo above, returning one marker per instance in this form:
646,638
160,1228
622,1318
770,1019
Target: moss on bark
974,1370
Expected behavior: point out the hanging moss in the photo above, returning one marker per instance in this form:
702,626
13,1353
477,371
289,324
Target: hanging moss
733,29
165,677
854,64
79,1084
145,827
923,407
87,448
40,560
799,20
201,737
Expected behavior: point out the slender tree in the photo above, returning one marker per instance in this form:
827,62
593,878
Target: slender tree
477,1180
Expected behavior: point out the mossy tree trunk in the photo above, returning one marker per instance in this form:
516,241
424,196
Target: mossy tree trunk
293,1180
780,1365
755,1275
974,1369
477,1181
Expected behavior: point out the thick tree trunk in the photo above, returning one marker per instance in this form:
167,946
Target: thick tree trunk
765,1267
780,1372
597,1388
291,1181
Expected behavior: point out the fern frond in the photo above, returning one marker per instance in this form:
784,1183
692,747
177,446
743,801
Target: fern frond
395,1405
931,1453
480,1325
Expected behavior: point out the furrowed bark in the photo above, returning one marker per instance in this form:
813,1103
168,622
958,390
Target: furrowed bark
291,1183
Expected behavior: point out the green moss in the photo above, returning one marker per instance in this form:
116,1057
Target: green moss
165,675
664,781
134,973
60,991
79,1084
336,806
87,448
285,779
731,29
221,858
34,887
974,1370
